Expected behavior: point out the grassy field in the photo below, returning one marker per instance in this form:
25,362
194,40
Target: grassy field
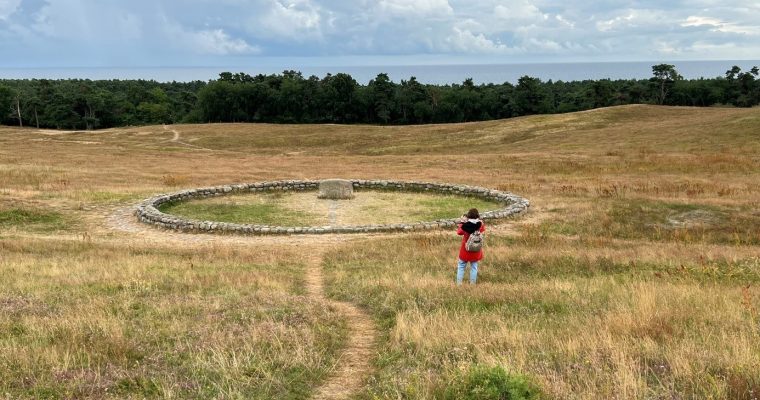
305,209
635,276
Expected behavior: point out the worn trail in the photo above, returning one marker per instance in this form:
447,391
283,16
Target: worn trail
353,365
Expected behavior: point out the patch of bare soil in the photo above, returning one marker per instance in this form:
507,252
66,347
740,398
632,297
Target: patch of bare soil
693,219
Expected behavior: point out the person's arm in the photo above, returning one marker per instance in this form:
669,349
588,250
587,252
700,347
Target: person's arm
482,227
460,231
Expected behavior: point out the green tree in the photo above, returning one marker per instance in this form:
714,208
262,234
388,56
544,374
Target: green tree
601,93
412,102
381,97
339,92
6,100
530,97
741,90
665,76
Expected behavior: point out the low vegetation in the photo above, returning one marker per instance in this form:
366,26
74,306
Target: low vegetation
32,220
635,276
87,320
251,209
305,209
579,325
664,220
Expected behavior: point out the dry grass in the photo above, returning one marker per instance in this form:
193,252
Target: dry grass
304,208
625,324
87,320
636,276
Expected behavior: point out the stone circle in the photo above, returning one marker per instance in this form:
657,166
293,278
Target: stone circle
147,211
336,189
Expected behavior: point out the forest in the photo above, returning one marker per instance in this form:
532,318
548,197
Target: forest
290,97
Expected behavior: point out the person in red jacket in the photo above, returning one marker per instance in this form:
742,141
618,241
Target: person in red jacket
468,224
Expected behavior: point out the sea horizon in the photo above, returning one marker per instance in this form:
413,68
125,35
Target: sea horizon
441,74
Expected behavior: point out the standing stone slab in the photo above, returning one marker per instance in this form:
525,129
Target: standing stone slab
336,189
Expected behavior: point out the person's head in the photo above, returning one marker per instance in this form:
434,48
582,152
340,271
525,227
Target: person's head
473,213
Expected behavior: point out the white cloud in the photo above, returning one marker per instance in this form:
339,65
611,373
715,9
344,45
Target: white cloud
464,41
564,21
415,8
615,23
667,48
297,20
144,31
208,41
220,43
717,25
519,11
8,7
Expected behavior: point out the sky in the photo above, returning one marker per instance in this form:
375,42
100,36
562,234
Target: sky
153,33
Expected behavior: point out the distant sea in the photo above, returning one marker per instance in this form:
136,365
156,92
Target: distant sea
435,74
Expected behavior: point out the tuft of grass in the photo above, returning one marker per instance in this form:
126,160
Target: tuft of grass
32,220
483,382
174,180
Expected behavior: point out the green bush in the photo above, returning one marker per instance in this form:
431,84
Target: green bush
486,383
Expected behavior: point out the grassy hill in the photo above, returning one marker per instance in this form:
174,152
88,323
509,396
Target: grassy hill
597,131
634,276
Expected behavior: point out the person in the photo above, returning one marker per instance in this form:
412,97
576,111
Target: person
468,224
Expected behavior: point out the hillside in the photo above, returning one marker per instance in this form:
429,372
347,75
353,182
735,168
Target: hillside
635,275
598,131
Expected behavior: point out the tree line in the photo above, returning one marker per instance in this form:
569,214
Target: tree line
292,98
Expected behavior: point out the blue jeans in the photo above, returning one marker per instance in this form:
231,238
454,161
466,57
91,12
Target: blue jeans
473,271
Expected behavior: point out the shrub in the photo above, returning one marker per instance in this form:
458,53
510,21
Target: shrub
490,382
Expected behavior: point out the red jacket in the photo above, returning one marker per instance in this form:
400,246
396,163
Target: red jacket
465,255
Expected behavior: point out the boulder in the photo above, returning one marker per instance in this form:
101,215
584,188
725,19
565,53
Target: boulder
336,189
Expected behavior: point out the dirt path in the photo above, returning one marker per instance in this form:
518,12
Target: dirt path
353,366
177,139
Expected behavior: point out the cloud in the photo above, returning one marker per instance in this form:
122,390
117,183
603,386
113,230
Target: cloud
415,8
716,25
464,41
519,11
219,43
204,41
150,32
297,20
8,7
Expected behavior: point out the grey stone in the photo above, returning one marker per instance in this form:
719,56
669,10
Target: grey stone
336,189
